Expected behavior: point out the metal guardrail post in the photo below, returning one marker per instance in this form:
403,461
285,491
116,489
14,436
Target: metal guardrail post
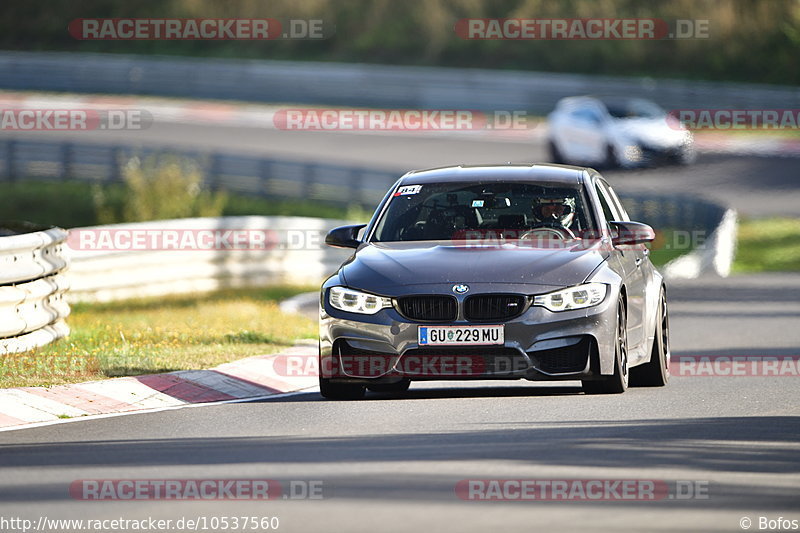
265,176
356,186
65,166
115,164
11,160
309,179
214,174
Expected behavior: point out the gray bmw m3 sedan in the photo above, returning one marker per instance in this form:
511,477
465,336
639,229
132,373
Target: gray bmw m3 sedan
494,272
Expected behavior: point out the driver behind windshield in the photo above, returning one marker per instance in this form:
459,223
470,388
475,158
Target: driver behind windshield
558,211
442,211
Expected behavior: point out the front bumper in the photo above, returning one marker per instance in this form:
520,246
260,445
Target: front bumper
642,155
540,345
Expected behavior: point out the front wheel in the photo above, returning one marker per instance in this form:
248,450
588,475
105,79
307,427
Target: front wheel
655,373
618,382
687,156
555,153
340,391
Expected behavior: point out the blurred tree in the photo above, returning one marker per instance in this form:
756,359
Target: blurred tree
755,41
160,188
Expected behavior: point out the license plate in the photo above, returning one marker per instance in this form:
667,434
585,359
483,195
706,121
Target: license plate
460,335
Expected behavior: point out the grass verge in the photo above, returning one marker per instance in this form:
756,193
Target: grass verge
145,336
670,244
768,245
70,204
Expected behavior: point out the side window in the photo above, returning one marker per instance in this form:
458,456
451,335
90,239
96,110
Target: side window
618,203
586,114
609,210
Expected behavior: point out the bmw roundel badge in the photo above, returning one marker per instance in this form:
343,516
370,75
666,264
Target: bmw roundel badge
460,288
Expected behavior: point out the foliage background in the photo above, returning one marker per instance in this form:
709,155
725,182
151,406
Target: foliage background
751,41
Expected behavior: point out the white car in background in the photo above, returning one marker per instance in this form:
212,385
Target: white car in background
616,132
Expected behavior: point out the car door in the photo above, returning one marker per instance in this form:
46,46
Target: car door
578,134
651,278
588,133
632,260
563,131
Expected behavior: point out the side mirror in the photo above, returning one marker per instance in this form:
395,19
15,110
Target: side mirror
344,236
631,233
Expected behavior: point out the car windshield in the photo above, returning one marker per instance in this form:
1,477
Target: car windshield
634,108
442,211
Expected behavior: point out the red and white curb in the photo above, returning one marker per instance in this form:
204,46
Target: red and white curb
208,112
747,145
246,379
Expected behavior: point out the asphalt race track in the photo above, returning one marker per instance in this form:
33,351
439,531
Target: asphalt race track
754,185
727,447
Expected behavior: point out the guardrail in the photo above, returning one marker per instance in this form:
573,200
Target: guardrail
283,179
344,186
32,287
271,250
276,178
292,250
360,85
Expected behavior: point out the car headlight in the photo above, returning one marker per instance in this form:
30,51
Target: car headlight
633,152
577,297
354,301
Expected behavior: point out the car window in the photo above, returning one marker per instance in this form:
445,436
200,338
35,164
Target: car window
587,115
442,211
634,108
615,201
609,209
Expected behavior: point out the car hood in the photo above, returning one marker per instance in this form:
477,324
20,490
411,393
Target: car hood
654,132
382,267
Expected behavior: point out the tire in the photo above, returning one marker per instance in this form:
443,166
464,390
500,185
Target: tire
340,391
611,160
555,154
687,155
655,373
400,386
618,382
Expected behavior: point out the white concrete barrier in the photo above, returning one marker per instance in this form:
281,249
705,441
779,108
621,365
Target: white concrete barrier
32,288
714,257
198,254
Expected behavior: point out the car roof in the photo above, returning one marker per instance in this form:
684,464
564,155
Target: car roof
539,172
606,100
